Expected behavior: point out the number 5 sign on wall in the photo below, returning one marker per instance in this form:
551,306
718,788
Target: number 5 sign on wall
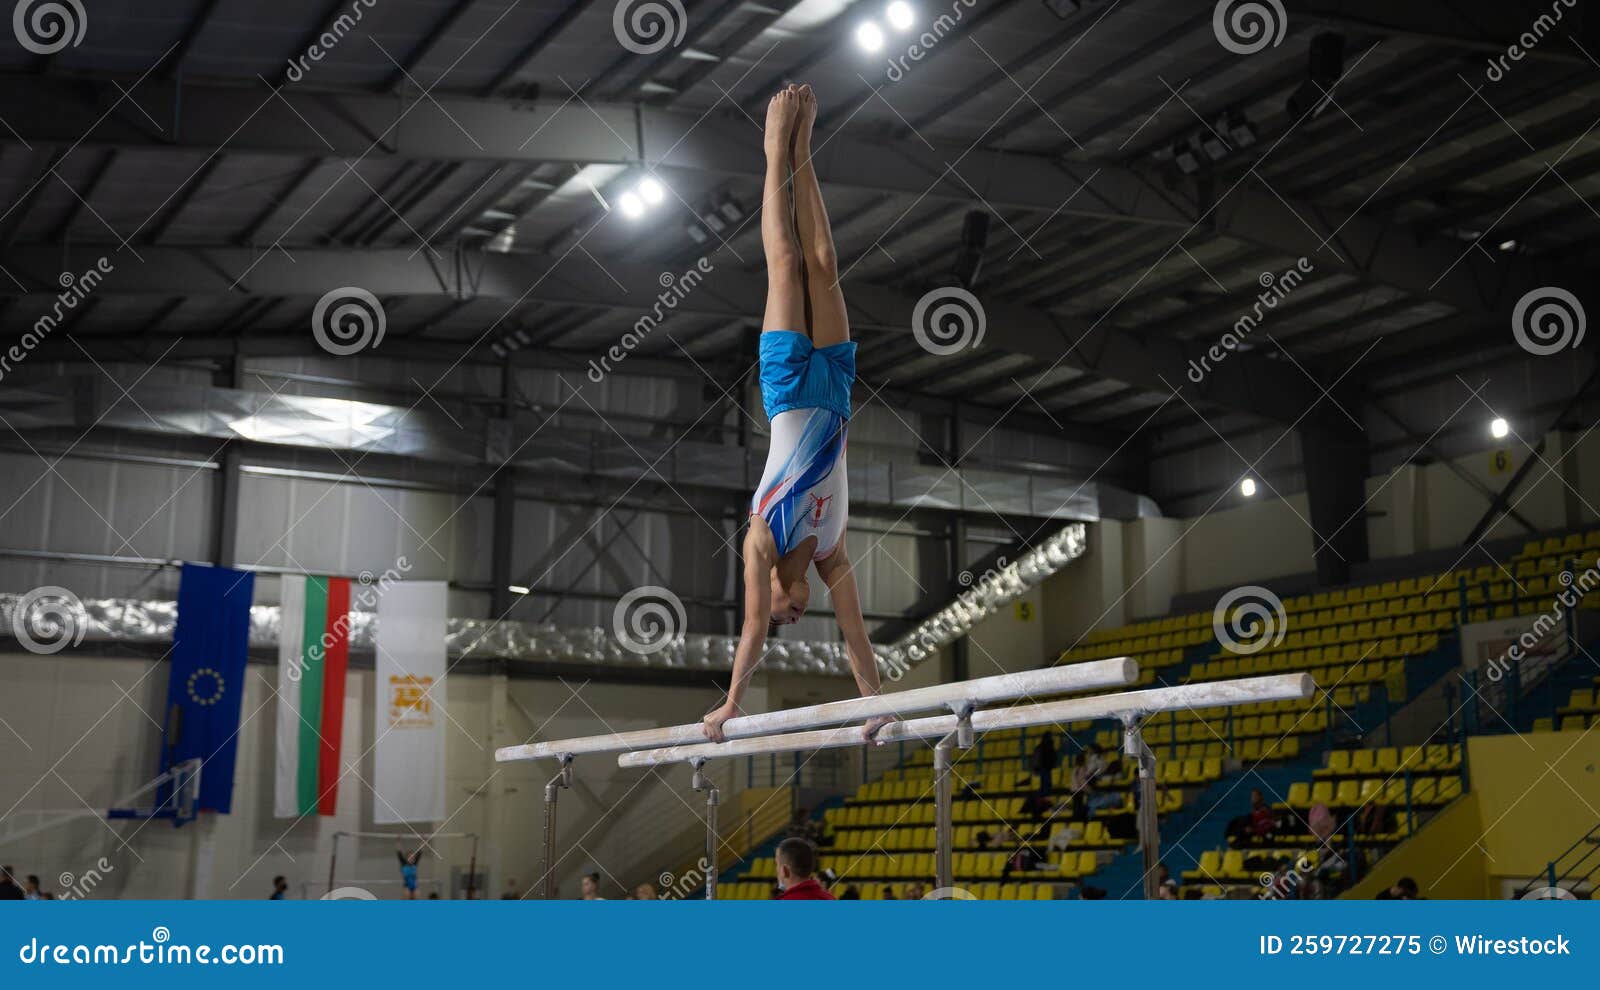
1024,611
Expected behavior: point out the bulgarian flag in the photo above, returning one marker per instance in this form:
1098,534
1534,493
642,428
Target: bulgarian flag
313,655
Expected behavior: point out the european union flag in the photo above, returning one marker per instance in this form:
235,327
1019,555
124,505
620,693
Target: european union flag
204,693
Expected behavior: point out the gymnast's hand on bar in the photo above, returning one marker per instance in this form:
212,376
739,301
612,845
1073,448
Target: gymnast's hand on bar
869,730
714,719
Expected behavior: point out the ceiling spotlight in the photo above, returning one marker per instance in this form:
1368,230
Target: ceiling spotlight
900,15
631,205
1510,245
652,192
1499,429
1239,128
1247,487
869,36
1186,157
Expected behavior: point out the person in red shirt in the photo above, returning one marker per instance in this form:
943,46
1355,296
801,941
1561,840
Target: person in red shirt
797,868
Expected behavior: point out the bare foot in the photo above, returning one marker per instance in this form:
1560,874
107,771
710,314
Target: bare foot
781,114
804,119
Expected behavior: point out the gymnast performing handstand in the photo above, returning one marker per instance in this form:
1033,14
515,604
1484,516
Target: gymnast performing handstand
808,364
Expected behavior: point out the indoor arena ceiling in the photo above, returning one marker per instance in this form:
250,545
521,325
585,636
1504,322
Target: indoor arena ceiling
468,162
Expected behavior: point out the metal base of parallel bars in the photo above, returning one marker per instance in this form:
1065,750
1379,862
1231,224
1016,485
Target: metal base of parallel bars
943,764
552,791
713,798
1133,745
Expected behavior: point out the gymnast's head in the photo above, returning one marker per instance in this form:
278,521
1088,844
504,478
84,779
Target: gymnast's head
797,861
789,601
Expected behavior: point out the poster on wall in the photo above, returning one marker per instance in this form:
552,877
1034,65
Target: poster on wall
409,701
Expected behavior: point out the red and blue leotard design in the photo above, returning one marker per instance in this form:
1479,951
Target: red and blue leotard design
804,489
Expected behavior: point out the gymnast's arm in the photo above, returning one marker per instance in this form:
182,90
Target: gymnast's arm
760,553
840,577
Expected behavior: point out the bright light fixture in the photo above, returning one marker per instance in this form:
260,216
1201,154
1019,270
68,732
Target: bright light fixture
869,36
631,205
517,589
1499,429
901,15
1247,487
652,192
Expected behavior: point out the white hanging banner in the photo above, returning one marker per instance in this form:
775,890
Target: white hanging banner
409,685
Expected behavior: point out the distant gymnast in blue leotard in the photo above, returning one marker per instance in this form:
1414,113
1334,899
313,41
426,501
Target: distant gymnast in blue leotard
798,513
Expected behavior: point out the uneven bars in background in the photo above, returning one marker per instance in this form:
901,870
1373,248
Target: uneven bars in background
1132,704
1092,676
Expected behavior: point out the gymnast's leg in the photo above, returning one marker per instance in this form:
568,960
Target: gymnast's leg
786,298
830,322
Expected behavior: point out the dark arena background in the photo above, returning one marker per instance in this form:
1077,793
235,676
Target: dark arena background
1164,426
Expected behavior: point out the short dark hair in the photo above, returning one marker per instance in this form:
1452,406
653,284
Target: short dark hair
799,855
595,876
277,880
1408,885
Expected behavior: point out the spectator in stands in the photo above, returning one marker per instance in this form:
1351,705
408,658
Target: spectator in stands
513,892
30,888
1095,761
1262,821
1404,889
1044,762
9,891
983,839
1064,836
280,889
915,892
797,868
802,827
850,893
645,892
589,887
886,893
1081,779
